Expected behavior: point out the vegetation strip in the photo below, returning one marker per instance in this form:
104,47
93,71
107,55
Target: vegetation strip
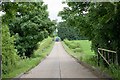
94,70
29,63
23,26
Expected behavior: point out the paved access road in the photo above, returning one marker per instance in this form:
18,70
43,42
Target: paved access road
59,65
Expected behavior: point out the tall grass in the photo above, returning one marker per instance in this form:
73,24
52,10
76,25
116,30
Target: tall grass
24,65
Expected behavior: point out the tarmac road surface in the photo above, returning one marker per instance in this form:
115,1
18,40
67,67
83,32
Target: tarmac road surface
59,65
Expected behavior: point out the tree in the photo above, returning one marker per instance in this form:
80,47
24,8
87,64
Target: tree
29,25
97,21
67,32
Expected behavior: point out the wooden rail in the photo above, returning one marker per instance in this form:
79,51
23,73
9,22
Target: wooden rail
108,56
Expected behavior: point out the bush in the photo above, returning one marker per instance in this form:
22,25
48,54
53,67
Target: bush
9,56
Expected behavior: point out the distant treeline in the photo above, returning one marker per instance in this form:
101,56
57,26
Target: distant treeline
69,33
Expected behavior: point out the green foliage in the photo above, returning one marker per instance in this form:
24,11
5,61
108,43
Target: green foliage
69,44
9,54
0,37
77,50
99,22
30,24
42,47
10,9
114,70
67,32
80,49
89,57
26,64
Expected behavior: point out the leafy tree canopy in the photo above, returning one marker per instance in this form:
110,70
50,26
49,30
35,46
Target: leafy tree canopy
29,23
99,22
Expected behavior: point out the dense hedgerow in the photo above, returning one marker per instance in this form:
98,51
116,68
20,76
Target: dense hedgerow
9,53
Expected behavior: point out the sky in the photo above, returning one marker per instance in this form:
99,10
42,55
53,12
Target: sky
54,6
1,13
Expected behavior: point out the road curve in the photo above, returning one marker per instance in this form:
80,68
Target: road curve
59,65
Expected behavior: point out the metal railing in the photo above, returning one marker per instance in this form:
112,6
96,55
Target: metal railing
108,56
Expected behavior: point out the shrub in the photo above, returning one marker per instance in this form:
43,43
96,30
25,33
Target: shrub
9,56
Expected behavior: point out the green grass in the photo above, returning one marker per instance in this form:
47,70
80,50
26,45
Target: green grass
25,65
81,49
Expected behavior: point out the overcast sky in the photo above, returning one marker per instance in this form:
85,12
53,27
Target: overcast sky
54,6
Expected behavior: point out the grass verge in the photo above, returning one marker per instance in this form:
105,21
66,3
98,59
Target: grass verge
25,65
81,49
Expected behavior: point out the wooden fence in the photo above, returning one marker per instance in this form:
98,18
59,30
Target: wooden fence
107,56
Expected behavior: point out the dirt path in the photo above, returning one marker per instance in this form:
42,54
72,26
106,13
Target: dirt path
59,65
